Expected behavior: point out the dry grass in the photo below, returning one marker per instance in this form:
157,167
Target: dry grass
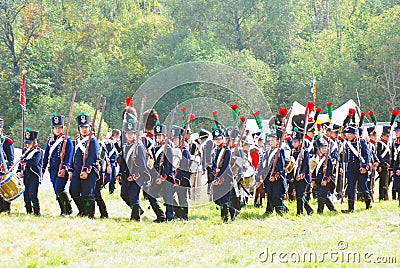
50,240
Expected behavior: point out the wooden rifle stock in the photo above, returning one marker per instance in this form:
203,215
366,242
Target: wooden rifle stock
101,119
64,146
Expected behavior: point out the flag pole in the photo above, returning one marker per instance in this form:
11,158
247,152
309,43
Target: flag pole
314,90
22,102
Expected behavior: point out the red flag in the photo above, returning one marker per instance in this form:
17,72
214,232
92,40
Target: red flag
22,98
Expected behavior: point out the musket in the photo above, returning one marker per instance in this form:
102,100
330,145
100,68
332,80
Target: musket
64,146
169,133
86,154
277,155
140,119
309,108
182,144
101,119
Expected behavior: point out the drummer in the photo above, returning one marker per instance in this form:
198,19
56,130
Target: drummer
6,161
30,169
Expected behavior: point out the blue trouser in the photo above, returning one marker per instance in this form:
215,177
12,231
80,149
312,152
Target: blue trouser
130,192
83,188
275,191
31,182
354,175
58,182
182,191
111,178
323,191
97,190
300,187
168,196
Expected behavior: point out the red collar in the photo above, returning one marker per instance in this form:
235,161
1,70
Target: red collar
132,141
373,142
149,135
308,137
325,137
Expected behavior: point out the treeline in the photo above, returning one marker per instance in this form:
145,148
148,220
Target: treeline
112,47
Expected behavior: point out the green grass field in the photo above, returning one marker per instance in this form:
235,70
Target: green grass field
332,239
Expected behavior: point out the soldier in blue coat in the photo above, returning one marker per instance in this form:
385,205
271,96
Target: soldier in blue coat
383,154
133,170
6,161
83,172
30,169
52,159
222,176
163,157
275,177
182,174
301,173
113,150
358,161
323,175
395,161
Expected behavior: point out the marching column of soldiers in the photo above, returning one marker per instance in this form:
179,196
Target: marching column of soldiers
299,159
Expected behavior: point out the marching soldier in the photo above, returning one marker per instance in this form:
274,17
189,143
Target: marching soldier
164,183
104,167
195,168
52,159
153,190
383,153
6,161
275,179
395,162
30,169
222,177
83,172
322,175
301,173
371,143
182,174
357,158
113,149
133,170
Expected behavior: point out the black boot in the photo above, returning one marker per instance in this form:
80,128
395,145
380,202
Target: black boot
66,203
185,213
36,209
368,203
136,212
157,210
268,210
60,203
330,205
1,204
6,206
308,208
233,212
28,207
235,202
225,212
80,205
177,212
299,206
321,204
89,208
102,208
351,207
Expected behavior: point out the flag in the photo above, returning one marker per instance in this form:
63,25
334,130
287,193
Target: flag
313,85
22,98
